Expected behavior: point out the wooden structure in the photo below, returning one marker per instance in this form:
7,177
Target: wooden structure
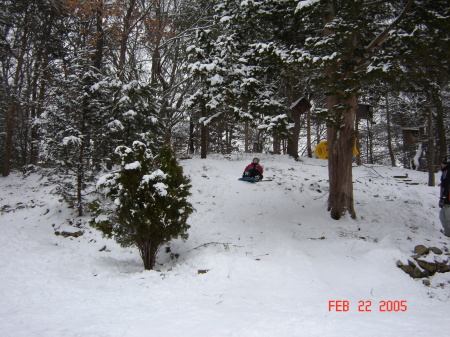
364,111
412,135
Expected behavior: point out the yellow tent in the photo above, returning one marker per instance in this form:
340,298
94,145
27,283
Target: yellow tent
321,150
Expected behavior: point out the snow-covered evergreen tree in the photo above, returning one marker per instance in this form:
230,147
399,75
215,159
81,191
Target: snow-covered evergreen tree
88,115
69,125
149,195
237,74
129,111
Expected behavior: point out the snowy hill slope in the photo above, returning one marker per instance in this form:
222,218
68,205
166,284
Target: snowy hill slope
262,259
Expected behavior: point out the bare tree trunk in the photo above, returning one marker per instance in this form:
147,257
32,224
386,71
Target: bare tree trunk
431,173
369,142
80,181
148,250
39,91
358,146
204,135
440,125
389,131
83,152
230,144
229,137
246,137
124,38
191,136
341,140
98,55
14,108
308,133
276,145
293,143
35,135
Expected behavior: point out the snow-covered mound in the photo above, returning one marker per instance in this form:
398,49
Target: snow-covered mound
262,259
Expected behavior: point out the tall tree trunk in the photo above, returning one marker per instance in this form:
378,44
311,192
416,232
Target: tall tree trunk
358,146
82,155
124,38
341,140
389,131
440,125
246,135
80,180
99,42
308,133
15,105
369,142
340,135
39,98
204,134
293,143
229,137
276,145
431,173
191,136
35,132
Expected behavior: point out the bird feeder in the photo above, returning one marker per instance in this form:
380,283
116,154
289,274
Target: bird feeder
412,135
299,107
364,111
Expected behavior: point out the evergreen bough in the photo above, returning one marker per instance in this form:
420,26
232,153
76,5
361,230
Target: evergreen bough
149,195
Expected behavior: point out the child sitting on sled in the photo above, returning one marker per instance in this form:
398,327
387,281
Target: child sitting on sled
253,170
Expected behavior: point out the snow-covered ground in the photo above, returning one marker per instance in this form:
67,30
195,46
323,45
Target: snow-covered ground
262,259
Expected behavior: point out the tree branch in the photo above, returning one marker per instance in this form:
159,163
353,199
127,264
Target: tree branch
375,3
383,36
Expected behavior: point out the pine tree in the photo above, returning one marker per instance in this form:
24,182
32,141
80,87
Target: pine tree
129,114
149,194
68,125
236,74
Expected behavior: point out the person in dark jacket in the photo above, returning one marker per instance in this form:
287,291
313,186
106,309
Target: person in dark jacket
444,199
254,170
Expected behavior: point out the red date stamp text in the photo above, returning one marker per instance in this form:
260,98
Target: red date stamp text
368,306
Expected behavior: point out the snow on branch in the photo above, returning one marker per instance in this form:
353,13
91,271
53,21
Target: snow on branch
383,35
305,3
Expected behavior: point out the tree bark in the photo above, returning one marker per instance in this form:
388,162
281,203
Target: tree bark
276,145
246,137
358,147
204,135
369,142
341,139
191,136
440,125
80,180
308,133
124,38
389,131
148,250
293,142
99,42
431,173
14,107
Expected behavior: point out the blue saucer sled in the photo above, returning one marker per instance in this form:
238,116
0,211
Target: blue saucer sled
250,180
